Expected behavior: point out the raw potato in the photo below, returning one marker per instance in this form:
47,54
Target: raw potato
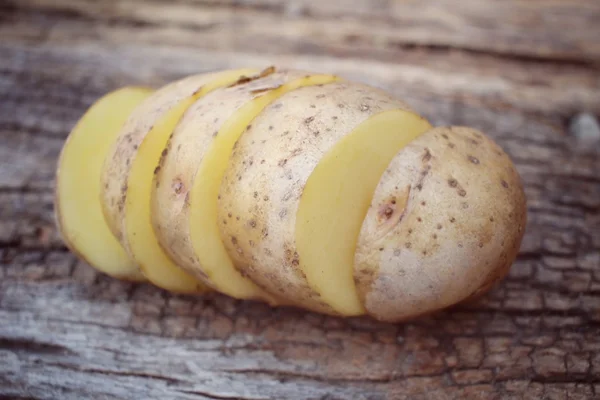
78,209
188,182
336,198
446,221
137,234
268,171
296,189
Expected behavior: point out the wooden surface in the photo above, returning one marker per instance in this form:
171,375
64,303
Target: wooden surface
520,70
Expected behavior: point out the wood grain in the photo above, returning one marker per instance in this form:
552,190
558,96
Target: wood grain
518,70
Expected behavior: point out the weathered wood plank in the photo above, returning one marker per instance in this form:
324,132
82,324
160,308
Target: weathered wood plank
220,36
541,325
67,332
547,29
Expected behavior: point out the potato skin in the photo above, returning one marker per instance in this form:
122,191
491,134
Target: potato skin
270,165
445,223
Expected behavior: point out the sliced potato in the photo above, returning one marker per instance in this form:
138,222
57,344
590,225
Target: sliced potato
293,188
78,210
139,236
204,230
115,171
268,171
188,183
336,198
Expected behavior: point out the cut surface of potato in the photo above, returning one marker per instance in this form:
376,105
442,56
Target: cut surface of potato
336,198
78,209
204,230
141,238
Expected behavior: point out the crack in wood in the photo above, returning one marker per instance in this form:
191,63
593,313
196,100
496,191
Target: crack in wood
17,397
32,346
211,395
110,372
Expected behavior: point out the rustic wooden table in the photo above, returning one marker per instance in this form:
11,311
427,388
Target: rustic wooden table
525,72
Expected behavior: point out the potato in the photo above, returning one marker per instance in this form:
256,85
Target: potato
266,183
445,222
302,189
134,159
187,185
78,209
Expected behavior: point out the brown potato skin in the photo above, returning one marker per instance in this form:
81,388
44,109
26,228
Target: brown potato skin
445,224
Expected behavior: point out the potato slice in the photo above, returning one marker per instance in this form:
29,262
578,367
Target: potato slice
117,164
336,198
140,237
204,230
268,171
78,210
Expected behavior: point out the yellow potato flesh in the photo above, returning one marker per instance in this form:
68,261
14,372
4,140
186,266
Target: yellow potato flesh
79,212
204,230
335,201
156,266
